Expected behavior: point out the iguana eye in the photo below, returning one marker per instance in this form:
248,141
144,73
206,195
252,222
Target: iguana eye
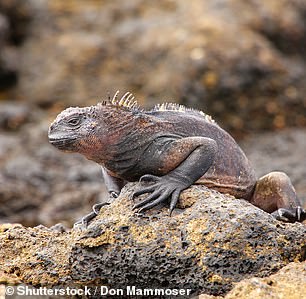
73,121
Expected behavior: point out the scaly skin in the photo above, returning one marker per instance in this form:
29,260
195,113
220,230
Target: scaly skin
171,147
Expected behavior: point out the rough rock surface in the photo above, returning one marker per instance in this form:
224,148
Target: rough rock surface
289,283
214,241
243,62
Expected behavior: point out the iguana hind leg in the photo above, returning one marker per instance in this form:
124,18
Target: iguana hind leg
274,193
183,161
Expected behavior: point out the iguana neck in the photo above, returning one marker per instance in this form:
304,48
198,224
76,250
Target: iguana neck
116,118
115,127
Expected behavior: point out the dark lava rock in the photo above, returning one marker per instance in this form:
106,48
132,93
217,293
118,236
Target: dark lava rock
207,246
217,241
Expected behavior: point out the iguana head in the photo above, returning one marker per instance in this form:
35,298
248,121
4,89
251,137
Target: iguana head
94,131
73,130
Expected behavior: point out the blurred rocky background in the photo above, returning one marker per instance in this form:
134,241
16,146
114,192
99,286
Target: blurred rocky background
243,62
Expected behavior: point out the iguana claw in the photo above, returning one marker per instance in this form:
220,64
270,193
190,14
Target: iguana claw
83,222
290,215
163,188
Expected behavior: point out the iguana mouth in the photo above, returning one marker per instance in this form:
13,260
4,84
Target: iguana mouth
62,143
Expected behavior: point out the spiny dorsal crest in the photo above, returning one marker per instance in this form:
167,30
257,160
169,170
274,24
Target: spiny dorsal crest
181,108
127,100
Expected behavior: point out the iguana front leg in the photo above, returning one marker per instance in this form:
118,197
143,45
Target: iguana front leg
113,186
183,161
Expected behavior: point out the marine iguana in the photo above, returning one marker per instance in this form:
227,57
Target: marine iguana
171,147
